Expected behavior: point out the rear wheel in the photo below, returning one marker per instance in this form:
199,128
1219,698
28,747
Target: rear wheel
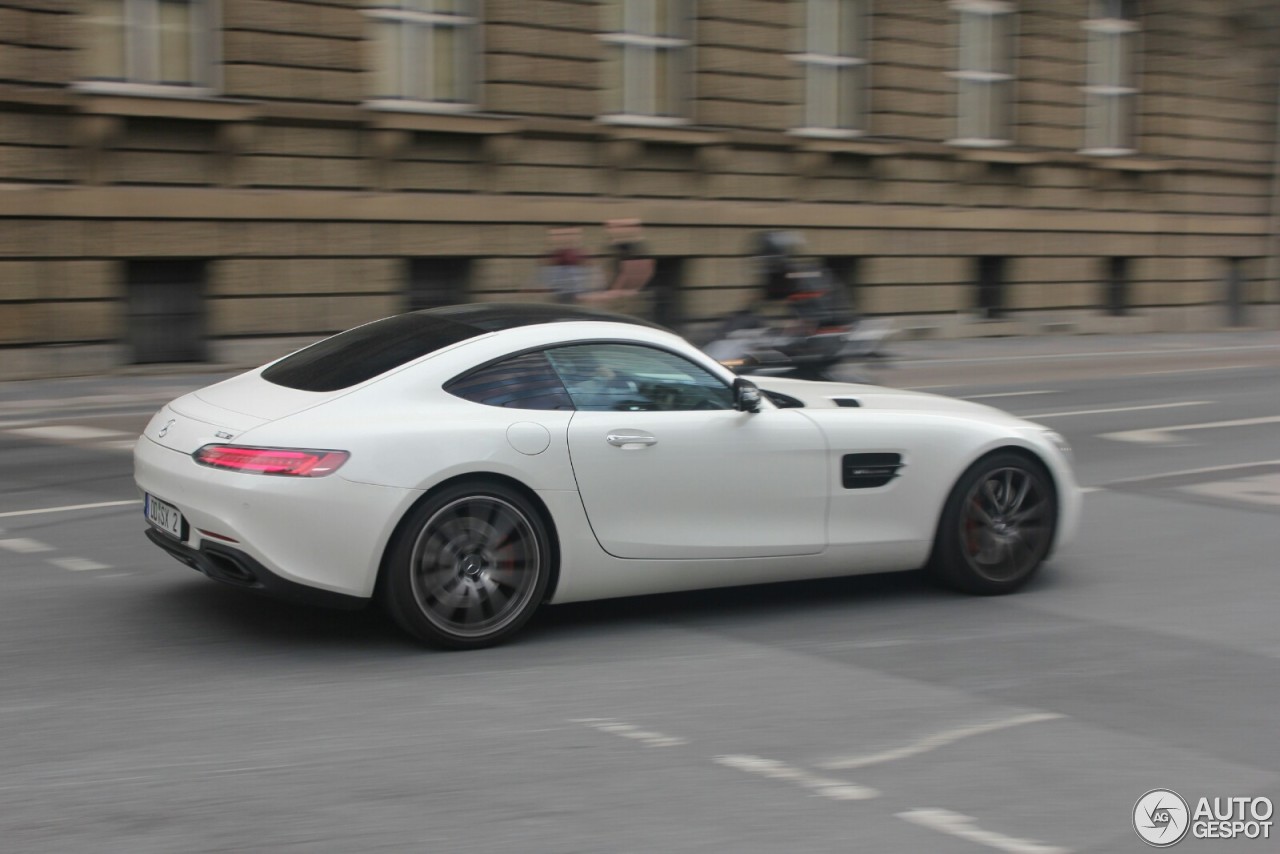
469,567
997,526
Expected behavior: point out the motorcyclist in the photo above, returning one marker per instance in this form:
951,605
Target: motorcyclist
801,316
774,255
797,290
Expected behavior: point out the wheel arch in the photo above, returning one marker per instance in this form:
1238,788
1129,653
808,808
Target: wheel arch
479,477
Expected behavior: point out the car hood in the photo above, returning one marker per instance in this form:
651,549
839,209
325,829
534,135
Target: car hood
855,396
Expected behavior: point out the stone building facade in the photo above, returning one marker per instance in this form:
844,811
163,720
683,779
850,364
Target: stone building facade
224,179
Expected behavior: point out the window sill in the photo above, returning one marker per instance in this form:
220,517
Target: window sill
142,90
978,142
408,105
1108,152
826,133
635,120
166,102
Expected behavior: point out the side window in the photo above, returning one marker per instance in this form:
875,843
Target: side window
521,382
635,378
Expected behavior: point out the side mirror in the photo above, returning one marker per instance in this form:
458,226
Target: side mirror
746,395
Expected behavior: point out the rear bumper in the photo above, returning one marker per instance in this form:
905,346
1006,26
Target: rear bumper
234,567
323,533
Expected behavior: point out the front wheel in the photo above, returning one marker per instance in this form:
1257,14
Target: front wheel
997,526
468,567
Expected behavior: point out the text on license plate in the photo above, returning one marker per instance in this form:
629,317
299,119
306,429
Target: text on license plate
163,515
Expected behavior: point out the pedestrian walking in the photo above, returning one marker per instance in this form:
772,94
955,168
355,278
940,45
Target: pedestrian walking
630,266
565,269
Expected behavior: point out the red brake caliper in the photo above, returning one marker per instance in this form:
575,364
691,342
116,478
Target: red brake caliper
971,530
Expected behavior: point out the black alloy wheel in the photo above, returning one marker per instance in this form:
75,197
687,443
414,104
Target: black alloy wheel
469,567
998,525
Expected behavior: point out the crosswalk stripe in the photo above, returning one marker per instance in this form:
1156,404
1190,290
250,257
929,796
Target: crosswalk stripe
68,432
77,564
24,546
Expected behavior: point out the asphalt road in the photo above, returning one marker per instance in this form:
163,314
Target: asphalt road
146,709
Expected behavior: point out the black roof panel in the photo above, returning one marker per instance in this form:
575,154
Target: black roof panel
362,353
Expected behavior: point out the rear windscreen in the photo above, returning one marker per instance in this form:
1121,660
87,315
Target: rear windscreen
363,353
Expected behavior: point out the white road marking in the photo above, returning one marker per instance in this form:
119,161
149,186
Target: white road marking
76,564
1006,394
626,730
1141,437
964,827
939,739
118,445
1089,490
1260,489
1193,370
1039,357
827,787
1188,472
126,397
1117,409
23,546
68,432
1161,435
69,507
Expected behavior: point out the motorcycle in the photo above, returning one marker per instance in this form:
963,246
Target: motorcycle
808,335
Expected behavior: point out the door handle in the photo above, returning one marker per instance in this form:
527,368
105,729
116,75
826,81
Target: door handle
626,440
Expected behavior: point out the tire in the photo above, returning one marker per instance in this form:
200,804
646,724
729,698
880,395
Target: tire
997,526
468,567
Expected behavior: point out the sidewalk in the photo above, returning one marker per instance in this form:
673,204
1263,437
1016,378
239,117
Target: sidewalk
995,361
959,361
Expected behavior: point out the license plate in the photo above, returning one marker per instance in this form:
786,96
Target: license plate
164,516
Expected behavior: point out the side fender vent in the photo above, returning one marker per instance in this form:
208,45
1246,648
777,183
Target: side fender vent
865,471
847,402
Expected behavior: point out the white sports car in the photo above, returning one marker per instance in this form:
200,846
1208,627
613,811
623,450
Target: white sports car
466,465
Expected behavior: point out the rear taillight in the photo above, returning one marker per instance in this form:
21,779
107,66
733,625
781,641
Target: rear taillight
287,462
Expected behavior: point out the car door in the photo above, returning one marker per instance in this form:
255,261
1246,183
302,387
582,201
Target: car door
667,468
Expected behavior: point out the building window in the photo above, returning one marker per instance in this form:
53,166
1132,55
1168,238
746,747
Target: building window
648,67
843,270
990,279
425,51
1116,296
835,66
436,282
984,72
166,310
1110,94
154,42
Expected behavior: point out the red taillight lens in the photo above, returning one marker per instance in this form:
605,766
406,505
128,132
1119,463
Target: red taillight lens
289,462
